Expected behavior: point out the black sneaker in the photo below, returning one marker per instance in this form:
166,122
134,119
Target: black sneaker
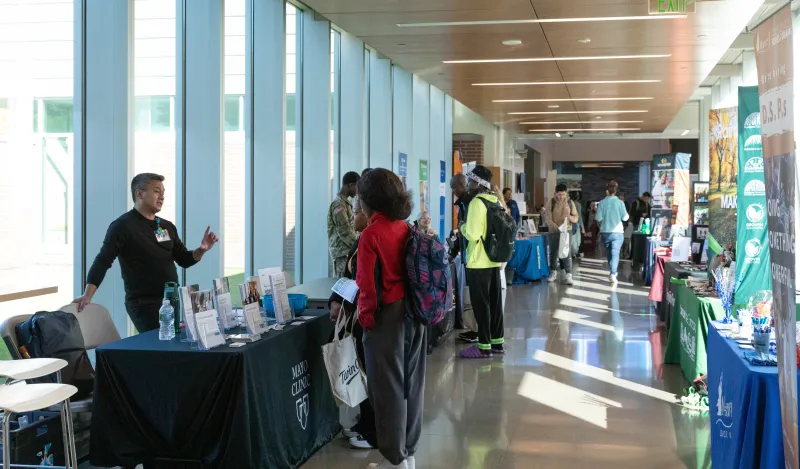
469,337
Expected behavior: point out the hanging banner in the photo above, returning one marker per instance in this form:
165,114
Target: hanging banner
723,151
682,196
424,196
402,170
773,45
752,243
442,192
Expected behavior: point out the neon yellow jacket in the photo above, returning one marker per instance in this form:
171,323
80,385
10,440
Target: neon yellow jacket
474,230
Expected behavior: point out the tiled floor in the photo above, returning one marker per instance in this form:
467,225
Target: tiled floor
582,386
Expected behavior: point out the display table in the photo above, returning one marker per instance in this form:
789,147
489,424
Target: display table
652,252
318,292
529,261
688,335
744,408
673,270
267,404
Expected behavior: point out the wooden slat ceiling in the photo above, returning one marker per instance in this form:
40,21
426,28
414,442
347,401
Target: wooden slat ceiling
695,44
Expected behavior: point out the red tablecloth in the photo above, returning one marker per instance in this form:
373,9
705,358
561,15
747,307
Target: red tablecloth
662,255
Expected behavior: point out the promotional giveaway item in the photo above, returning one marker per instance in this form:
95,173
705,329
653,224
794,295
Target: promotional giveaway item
171,293
344,369
189,331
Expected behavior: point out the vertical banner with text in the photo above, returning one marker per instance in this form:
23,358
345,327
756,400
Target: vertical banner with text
442,192
723,160
773,46
424,185
751,229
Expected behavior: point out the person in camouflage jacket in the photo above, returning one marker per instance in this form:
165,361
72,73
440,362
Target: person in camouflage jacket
341,232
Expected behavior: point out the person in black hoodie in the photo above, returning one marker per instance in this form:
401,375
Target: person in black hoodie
458,184
363,434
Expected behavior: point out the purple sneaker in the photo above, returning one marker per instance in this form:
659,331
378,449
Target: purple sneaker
499,350
474,352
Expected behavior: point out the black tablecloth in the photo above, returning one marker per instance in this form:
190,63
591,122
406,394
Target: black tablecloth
638,250
265,405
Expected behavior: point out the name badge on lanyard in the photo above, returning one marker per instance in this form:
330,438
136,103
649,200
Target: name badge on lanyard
162,235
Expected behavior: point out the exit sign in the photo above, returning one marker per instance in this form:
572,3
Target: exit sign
671,7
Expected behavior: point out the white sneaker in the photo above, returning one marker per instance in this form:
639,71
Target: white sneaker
387,465
613,279
349,433
412,462
359,442
568,280
553,276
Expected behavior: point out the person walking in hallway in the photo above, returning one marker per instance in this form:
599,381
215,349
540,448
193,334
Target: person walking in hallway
640,208
341,233
611,214
560,210
394,344
458,184
483,274
147,247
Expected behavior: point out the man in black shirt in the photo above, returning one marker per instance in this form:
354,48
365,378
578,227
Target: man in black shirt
148,248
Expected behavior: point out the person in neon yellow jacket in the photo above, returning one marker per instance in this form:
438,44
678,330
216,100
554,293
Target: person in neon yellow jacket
483,274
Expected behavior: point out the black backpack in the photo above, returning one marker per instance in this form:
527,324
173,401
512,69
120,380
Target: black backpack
56,334
501,230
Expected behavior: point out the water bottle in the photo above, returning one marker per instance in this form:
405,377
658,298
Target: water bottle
165,315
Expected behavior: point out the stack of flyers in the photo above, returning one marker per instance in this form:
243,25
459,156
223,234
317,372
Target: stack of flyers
222,301
255,319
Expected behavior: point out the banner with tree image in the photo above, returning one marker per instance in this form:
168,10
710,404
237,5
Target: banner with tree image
723,158
774,61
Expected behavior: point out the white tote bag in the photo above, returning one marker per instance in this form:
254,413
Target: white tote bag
563,242
348,382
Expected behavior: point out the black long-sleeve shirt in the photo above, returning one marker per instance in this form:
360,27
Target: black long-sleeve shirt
146,263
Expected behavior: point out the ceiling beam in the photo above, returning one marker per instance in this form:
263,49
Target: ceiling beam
726,70
743,41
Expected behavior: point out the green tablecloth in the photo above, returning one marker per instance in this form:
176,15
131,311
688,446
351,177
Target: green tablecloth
689,332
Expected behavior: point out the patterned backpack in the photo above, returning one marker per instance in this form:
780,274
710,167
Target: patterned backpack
430,291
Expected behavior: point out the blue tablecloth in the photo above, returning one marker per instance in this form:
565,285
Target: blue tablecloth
744,408
530,260
649,259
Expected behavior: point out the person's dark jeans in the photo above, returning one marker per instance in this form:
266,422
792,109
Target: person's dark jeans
144,312
613,243
555,262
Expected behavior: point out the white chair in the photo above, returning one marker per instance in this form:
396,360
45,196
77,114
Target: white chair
18,397
96,324
8,330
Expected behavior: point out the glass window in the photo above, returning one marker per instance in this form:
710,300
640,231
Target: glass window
335,87
293,99
37,154
233,108
154,88
233,161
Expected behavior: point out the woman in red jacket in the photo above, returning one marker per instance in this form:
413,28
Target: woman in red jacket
394,345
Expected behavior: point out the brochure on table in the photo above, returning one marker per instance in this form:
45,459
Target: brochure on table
255,318
185,294
280,298
206,320
223,304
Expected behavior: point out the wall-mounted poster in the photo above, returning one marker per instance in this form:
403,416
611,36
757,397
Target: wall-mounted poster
700,192
424,184
723,157
402,168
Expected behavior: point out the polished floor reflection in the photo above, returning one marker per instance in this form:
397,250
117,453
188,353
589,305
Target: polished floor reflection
582,386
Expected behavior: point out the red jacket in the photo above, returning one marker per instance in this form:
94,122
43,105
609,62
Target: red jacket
383,239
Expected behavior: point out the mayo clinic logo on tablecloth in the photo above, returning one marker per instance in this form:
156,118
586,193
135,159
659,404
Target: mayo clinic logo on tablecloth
301,381
755,216
755,188
756,163
752,249
724,411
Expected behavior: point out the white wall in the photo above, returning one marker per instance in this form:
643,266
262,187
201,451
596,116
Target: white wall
466,121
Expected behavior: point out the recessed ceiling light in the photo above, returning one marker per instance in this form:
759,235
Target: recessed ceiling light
558,135
599,117
541,20
585,130
576,112
580,122
567,99
585,40
593,82
685,132
559,59
553,106
512,42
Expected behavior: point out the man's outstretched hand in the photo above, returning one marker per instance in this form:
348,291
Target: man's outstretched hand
209,240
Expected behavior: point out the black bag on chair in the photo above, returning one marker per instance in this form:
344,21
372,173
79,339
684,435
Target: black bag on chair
56,334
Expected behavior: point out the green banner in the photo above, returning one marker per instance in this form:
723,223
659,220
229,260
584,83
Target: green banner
752,243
